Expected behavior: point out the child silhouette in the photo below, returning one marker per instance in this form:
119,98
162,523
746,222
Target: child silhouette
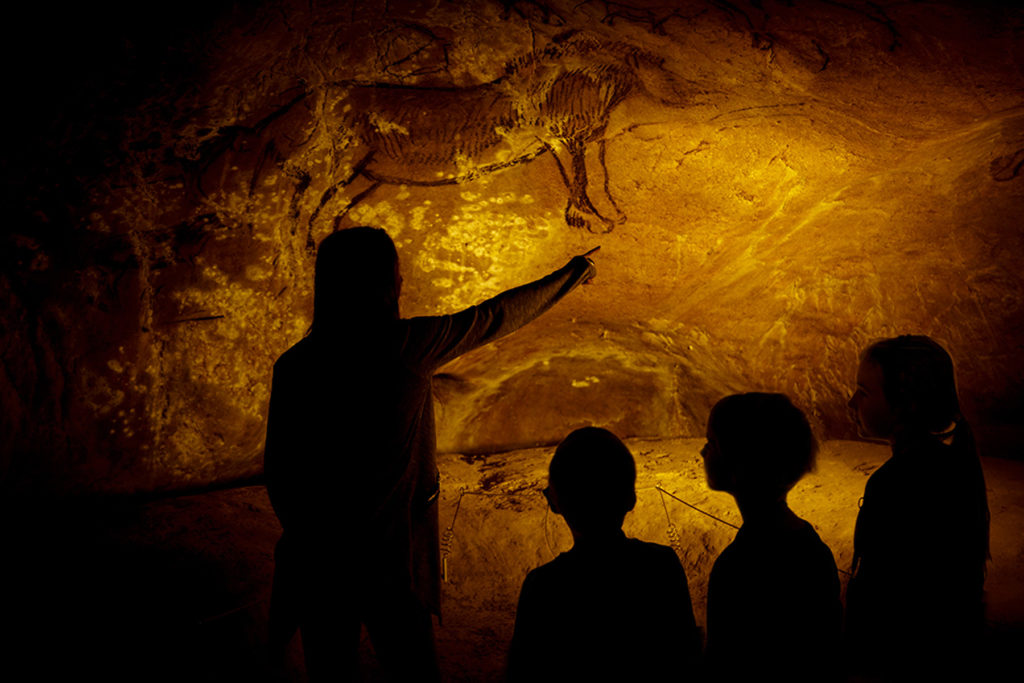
773,595
611,608
915,603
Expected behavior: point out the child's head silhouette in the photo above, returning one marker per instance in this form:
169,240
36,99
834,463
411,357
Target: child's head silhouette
592,479
905,386
758,445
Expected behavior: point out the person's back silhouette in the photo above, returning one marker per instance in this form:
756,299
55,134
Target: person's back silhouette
612,608
349,460
774,611
915,603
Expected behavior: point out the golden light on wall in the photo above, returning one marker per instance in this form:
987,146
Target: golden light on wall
771,190
773,185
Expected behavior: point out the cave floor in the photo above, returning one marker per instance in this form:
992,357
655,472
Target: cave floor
177,588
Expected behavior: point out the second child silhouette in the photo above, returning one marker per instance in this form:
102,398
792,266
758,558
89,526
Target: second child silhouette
612,608
774,611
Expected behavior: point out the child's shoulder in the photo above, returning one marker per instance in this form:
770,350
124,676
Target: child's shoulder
549,576
655,561
632,561
630,551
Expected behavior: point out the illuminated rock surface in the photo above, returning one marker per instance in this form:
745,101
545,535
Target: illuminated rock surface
772,187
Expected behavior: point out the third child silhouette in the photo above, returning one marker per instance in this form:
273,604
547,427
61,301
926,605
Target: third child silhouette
914,604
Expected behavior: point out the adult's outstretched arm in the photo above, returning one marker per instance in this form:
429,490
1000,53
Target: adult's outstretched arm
435,340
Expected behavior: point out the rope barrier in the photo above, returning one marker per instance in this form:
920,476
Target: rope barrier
703,512
449,535
675,497
673,533
674,538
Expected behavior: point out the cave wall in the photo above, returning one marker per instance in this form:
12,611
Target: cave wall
772,185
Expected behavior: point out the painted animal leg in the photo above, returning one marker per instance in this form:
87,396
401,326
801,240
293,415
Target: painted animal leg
620,217
302,183
580,210
576,206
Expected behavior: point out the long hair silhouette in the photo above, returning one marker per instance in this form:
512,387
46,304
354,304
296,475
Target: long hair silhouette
919,384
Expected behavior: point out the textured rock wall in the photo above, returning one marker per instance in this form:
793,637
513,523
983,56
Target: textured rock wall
772,184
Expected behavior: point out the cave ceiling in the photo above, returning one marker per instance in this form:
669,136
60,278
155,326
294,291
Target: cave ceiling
772,185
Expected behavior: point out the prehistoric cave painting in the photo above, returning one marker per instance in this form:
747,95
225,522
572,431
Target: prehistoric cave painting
555,101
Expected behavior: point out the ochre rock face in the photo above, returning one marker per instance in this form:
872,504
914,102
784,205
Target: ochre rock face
772,187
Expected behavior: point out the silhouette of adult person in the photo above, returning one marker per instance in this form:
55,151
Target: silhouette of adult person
350,457
774,609
915,602
612,608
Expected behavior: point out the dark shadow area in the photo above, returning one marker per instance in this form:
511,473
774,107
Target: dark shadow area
130,590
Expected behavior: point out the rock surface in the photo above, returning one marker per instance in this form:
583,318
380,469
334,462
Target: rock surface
773,185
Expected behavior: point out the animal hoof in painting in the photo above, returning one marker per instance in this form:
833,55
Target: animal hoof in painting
592,222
